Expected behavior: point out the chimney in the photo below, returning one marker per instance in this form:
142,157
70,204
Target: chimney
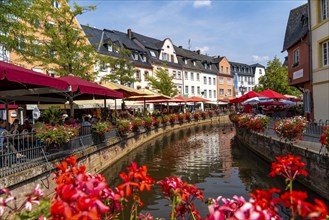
198,51
129,33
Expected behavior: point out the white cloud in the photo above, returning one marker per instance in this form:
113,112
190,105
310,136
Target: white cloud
256,58
203,50
201,3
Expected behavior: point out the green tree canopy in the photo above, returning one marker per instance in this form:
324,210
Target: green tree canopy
59,43
122,67
12,32
276,78
163,82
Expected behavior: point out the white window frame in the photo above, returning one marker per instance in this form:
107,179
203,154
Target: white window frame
198,90
192,90
209,80
324,9
229,92
186,90
164,56
210,95
186,75
192,76
325,53
221,92
214,94
205,80
179,75
198,76
152,53
214,81
221,80
56,4
295,58
229,81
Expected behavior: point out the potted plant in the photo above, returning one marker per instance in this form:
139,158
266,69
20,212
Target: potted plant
244,120
181,117
101,131
157,121
188,116
196,116
53,115
173,118
57,135
259,123
234,118
124,126
136,123
204,115
211,113
148,122
165,120
291,129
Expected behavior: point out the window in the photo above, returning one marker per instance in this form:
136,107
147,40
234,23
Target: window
192,90
214,93
198,76
229,92
185,75
185,61
186,89
221,80
49,25
260,71
221,92
209,80
109,47
229,81
180,89
213,81
174,74
210,66
138,74
146,73
205,93
296,58
226,69
152,53
210,96
164,56
325,53
172,58
143,58
205,80
55,4
221,69
198,90
179,75
192,76
205,66
193,63
324,9
135,57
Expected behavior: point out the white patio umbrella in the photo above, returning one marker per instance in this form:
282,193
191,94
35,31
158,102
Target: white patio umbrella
256,100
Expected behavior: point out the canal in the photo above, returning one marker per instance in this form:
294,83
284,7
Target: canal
205,155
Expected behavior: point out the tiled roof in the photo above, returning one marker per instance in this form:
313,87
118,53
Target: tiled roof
297,26
240,68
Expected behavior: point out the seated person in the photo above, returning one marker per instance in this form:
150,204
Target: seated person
4,140
16,127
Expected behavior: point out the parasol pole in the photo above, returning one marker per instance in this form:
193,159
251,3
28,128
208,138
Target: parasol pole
144,110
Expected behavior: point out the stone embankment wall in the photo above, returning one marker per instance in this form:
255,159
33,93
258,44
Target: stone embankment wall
268,148
96,158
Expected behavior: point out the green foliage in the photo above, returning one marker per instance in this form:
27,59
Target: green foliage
163,82
102,127
53,115
276,78
42,209
58,134
122,67
13,33
60,45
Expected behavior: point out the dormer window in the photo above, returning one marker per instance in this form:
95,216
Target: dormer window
143,58
109,47
210,67
135,56
185,61
205,66
152,53
193,63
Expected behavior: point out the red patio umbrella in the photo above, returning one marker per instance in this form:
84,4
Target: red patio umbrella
246,96
83,90
272,94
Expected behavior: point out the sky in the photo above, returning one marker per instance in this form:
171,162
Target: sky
241,30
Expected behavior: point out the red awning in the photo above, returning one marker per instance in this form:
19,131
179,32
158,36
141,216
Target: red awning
84,86
19,75
272,94
246,96
10,106
182,98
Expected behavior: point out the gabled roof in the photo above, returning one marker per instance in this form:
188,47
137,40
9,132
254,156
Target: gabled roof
148,42
297,26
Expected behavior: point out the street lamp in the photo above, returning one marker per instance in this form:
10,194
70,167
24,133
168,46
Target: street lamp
242,89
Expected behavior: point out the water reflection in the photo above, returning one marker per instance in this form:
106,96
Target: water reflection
206,156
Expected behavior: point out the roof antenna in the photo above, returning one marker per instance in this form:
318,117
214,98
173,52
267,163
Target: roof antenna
189,44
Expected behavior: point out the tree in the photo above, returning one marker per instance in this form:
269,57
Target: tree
60,46
276,78
122,67
11,31
163,82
